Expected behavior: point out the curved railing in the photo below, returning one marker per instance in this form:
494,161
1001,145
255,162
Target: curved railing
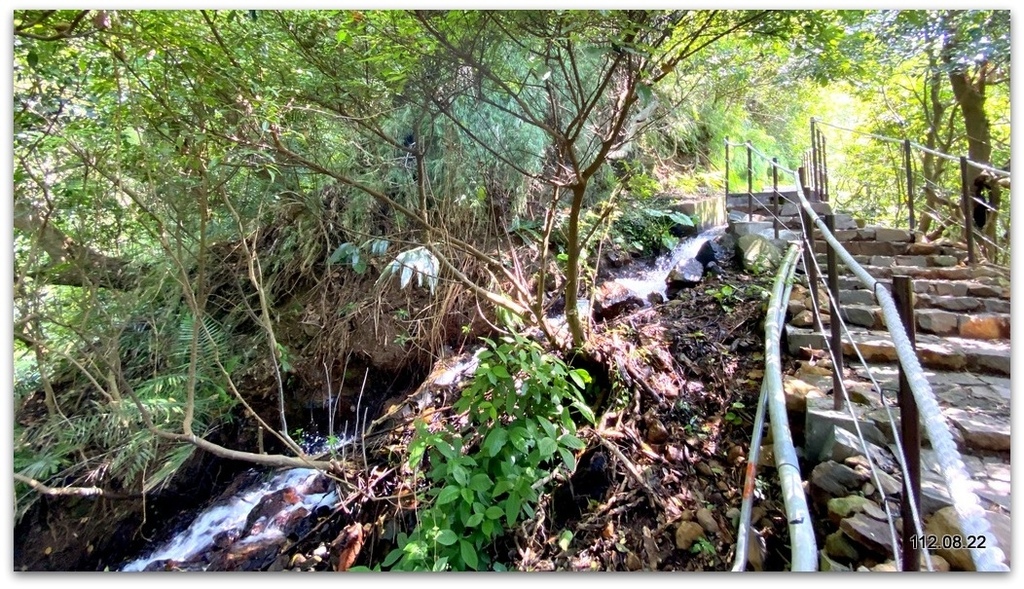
965,502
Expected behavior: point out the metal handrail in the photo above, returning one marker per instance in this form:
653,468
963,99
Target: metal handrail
972,518
801,532
769,387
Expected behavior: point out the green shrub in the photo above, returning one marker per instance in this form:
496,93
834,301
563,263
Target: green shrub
482,477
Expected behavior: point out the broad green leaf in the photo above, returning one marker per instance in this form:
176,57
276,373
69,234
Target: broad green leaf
448,494
571,441
495,441
468,552
546,447
447,537
568,458
480,482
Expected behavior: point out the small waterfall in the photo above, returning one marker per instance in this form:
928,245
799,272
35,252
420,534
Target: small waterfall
231,516
644,281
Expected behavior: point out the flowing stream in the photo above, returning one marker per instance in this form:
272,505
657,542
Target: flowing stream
230,518
259,514
645,281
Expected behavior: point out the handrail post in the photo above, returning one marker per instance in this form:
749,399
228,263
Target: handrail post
809,266
965,203
910,183
910,432
814,160
838,392
750,182
726,171
775,196
824,168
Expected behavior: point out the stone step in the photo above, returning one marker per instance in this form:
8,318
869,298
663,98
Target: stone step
789,217
958,273
983,326
981,288
865,313
760,198
939,352
956,304
921,261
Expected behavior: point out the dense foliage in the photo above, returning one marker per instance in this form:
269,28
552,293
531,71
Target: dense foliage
215,210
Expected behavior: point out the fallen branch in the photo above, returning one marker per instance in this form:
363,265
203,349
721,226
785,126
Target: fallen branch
73,491
633,472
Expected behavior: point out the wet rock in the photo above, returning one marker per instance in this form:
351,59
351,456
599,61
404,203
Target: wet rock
685,274
706,254
945,526
225,539
269,507
248,556
614,299
868,533
839,547
655,298
757,254
687,533
617,258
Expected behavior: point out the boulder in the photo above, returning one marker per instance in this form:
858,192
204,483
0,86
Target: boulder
757,254
706,254
985,326
614,299
685,274
887,234
707,521
827,565
842,444
803,319
937,322
796,392
982,431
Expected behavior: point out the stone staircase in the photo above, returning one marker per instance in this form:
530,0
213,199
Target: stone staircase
962,317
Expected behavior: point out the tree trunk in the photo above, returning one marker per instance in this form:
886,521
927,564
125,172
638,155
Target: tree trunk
572,276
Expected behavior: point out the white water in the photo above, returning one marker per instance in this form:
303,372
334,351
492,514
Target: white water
231,514
644,281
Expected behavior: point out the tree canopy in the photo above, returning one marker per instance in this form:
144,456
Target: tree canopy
215,210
